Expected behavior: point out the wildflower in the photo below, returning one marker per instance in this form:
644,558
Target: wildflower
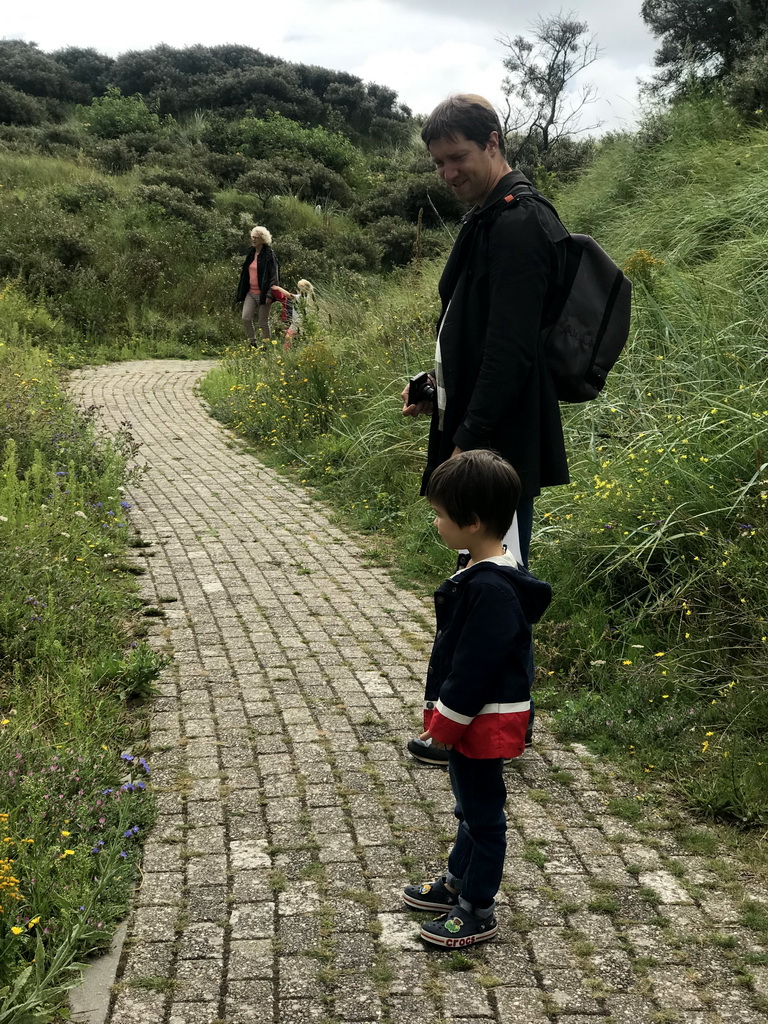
67,853
16,930
33,922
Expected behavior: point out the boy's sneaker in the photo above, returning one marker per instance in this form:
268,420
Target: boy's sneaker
458,929
426,753
431,896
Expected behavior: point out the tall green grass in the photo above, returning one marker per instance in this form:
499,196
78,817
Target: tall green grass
656,647
73,797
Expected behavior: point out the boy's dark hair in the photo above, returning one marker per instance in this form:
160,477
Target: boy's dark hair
476,485
464,114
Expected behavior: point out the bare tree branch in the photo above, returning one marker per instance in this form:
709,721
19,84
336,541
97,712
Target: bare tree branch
541,107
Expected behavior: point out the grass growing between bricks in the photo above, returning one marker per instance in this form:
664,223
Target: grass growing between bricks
74,804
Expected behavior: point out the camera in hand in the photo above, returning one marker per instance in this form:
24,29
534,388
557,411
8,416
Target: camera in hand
421,389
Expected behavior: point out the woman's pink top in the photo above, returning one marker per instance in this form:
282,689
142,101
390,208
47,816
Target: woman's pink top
253,273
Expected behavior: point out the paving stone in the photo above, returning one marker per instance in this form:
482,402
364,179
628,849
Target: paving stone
207,870
666,885
149,926
355,999
298,977
138,1007
249,854
631,1009
148,960
207,904
567,991
672,990
296,1011
202,940
199,981
522,1007
250,1002
252,921
193,1013
549,948
160,889
464,998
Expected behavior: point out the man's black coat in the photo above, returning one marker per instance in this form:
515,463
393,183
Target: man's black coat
500,279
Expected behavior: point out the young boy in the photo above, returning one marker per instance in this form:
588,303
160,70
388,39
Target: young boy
477,696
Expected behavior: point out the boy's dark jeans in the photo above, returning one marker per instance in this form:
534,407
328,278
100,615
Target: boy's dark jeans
477,857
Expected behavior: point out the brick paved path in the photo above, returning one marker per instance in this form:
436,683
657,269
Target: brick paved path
290,815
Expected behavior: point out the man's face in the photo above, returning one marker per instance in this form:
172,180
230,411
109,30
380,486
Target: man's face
466,167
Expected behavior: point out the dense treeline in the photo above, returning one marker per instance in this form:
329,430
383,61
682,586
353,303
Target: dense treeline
229,79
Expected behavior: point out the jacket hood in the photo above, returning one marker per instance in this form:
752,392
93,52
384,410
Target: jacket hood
534,594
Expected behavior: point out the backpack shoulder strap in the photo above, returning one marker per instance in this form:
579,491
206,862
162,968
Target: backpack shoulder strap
523,190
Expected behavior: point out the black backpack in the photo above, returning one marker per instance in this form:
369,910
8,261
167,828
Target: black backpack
585,333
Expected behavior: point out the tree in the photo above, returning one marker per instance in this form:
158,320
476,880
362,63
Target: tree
703,38
541,106
87,70
26,68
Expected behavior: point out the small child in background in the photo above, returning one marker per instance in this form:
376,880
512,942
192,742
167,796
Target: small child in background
294,307
478,689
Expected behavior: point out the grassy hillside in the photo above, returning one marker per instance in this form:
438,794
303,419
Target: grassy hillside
656,647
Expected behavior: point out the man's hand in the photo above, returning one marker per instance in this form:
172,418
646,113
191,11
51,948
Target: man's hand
435,743
419,408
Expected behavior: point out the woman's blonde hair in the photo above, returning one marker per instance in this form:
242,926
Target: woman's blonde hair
262,233
304,287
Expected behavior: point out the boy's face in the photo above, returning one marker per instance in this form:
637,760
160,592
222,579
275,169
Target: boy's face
452,535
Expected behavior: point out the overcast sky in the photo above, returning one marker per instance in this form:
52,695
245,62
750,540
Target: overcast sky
422,49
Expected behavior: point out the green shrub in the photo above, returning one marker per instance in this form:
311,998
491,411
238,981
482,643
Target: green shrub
113,115
115,156
166,201
274,134
90,196
263,180
198,185
395,239
19,108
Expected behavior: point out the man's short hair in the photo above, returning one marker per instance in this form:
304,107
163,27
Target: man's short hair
464,114
477,485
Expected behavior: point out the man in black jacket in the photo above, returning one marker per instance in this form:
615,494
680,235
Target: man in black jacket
492,388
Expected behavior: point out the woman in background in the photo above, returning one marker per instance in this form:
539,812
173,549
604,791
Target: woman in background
257,278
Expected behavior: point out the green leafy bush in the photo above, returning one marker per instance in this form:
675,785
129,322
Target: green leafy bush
113,115
198,185
19,108
274,134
